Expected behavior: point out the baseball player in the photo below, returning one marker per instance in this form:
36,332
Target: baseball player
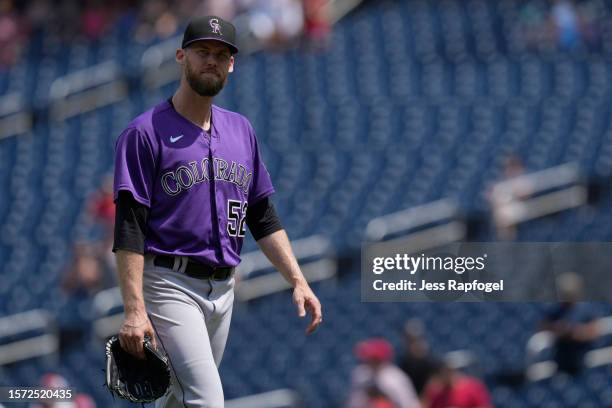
188,177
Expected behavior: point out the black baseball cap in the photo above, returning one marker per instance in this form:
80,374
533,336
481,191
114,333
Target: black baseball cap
210,28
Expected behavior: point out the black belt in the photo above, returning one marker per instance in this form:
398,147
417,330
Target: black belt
196,269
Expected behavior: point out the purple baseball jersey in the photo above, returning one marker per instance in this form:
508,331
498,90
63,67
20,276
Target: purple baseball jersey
196,184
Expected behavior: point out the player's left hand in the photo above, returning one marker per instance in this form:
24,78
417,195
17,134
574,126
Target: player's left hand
306,301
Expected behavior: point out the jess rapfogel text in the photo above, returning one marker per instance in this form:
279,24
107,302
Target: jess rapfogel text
450,285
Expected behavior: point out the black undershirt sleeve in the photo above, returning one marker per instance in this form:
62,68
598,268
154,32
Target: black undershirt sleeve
262,219
130,223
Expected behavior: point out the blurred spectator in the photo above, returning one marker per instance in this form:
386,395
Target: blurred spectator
84,277
449,388
377,382
502,196
565,19
11,37
272,23
226,9
534,24
590,15
101,208
94,19
64,12
38,14
317,25
166,25
562,24
513,166
417,362
377,399
573,324
53,380
156,20
102,205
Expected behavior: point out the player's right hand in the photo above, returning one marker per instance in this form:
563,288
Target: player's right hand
133,331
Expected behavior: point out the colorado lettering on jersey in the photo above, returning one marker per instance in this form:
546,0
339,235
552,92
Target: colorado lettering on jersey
184,177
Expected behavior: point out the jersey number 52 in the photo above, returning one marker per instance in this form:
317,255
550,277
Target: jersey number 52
236,216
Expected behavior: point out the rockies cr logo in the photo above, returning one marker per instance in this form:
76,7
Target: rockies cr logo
214,24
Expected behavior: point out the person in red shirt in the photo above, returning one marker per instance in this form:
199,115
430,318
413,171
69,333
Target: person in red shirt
450,388
102,205
377,382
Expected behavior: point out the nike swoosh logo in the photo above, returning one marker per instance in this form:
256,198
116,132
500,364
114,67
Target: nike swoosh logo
175,139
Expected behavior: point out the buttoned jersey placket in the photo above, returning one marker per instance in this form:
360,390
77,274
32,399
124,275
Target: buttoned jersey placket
219,206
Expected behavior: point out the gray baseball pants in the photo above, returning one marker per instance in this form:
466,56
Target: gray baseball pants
191,318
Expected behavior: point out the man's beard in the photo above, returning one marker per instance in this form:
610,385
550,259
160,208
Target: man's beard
209,86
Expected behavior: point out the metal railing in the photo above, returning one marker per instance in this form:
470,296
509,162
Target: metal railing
538,194
544,340
27,335
283,398
15,119
419,228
